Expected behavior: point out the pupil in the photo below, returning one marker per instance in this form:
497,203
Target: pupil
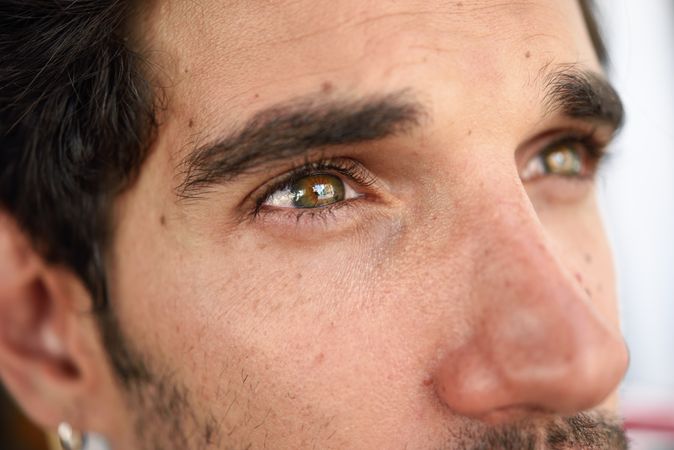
563,161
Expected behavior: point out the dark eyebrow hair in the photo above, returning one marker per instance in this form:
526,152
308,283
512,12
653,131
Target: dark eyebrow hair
294,128
583,94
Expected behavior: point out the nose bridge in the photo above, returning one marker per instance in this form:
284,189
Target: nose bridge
515,257
536,339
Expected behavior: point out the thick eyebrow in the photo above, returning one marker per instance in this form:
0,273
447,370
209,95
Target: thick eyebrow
585,95
294,128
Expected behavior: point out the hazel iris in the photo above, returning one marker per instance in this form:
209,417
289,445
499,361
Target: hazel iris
563,159
314,191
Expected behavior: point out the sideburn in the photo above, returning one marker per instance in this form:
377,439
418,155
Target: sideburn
158,404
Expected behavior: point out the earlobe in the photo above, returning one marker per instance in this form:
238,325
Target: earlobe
41,362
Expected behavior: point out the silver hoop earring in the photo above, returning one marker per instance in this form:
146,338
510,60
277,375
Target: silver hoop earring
69,438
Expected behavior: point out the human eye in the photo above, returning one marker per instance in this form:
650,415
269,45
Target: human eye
575,157
314,190
311,191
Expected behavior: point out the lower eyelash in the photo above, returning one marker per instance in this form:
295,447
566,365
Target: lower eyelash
322,214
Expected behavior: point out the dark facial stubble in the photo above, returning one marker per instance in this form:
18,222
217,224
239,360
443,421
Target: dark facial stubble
164,417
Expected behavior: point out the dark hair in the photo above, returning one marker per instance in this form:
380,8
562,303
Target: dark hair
589,10
76,116
76,119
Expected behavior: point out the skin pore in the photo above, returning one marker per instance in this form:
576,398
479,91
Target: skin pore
457,294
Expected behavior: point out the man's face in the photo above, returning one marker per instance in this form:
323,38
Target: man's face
369,225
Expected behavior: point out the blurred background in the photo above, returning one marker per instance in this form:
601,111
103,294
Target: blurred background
638,200
637,196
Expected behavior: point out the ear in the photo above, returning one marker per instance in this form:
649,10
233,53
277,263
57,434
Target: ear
51,357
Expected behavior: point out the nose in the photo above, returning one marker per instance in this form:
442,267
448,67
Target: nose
536,341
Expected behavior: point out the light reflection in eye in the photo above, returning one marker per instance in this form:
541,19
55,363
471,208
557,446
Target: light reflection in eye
565,159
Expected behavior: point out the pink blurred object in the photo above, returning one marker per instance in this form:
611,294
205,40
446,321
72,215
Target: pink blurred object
660,422
649,418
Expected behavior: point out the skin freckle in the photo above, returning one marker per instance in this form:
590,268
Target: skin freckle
327,87
527,54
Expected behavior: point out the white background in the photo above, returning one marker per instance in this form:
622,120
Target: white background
638,186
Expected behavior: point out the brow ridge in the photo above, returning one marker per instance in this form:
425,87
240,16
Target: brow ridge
295,127
292,129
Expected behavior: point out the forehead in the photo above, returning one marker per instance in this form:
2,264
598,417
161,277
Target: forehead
244,54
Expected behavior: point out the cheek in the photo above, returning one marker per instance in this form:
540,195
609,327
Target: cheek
335,331
251,315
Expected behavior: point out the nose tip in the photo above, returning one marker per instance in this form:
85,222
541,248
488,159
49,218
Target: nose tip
492,378
537,342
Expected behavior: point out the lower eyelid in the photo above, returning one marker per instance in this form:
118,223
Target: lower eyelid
557,191
304,223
